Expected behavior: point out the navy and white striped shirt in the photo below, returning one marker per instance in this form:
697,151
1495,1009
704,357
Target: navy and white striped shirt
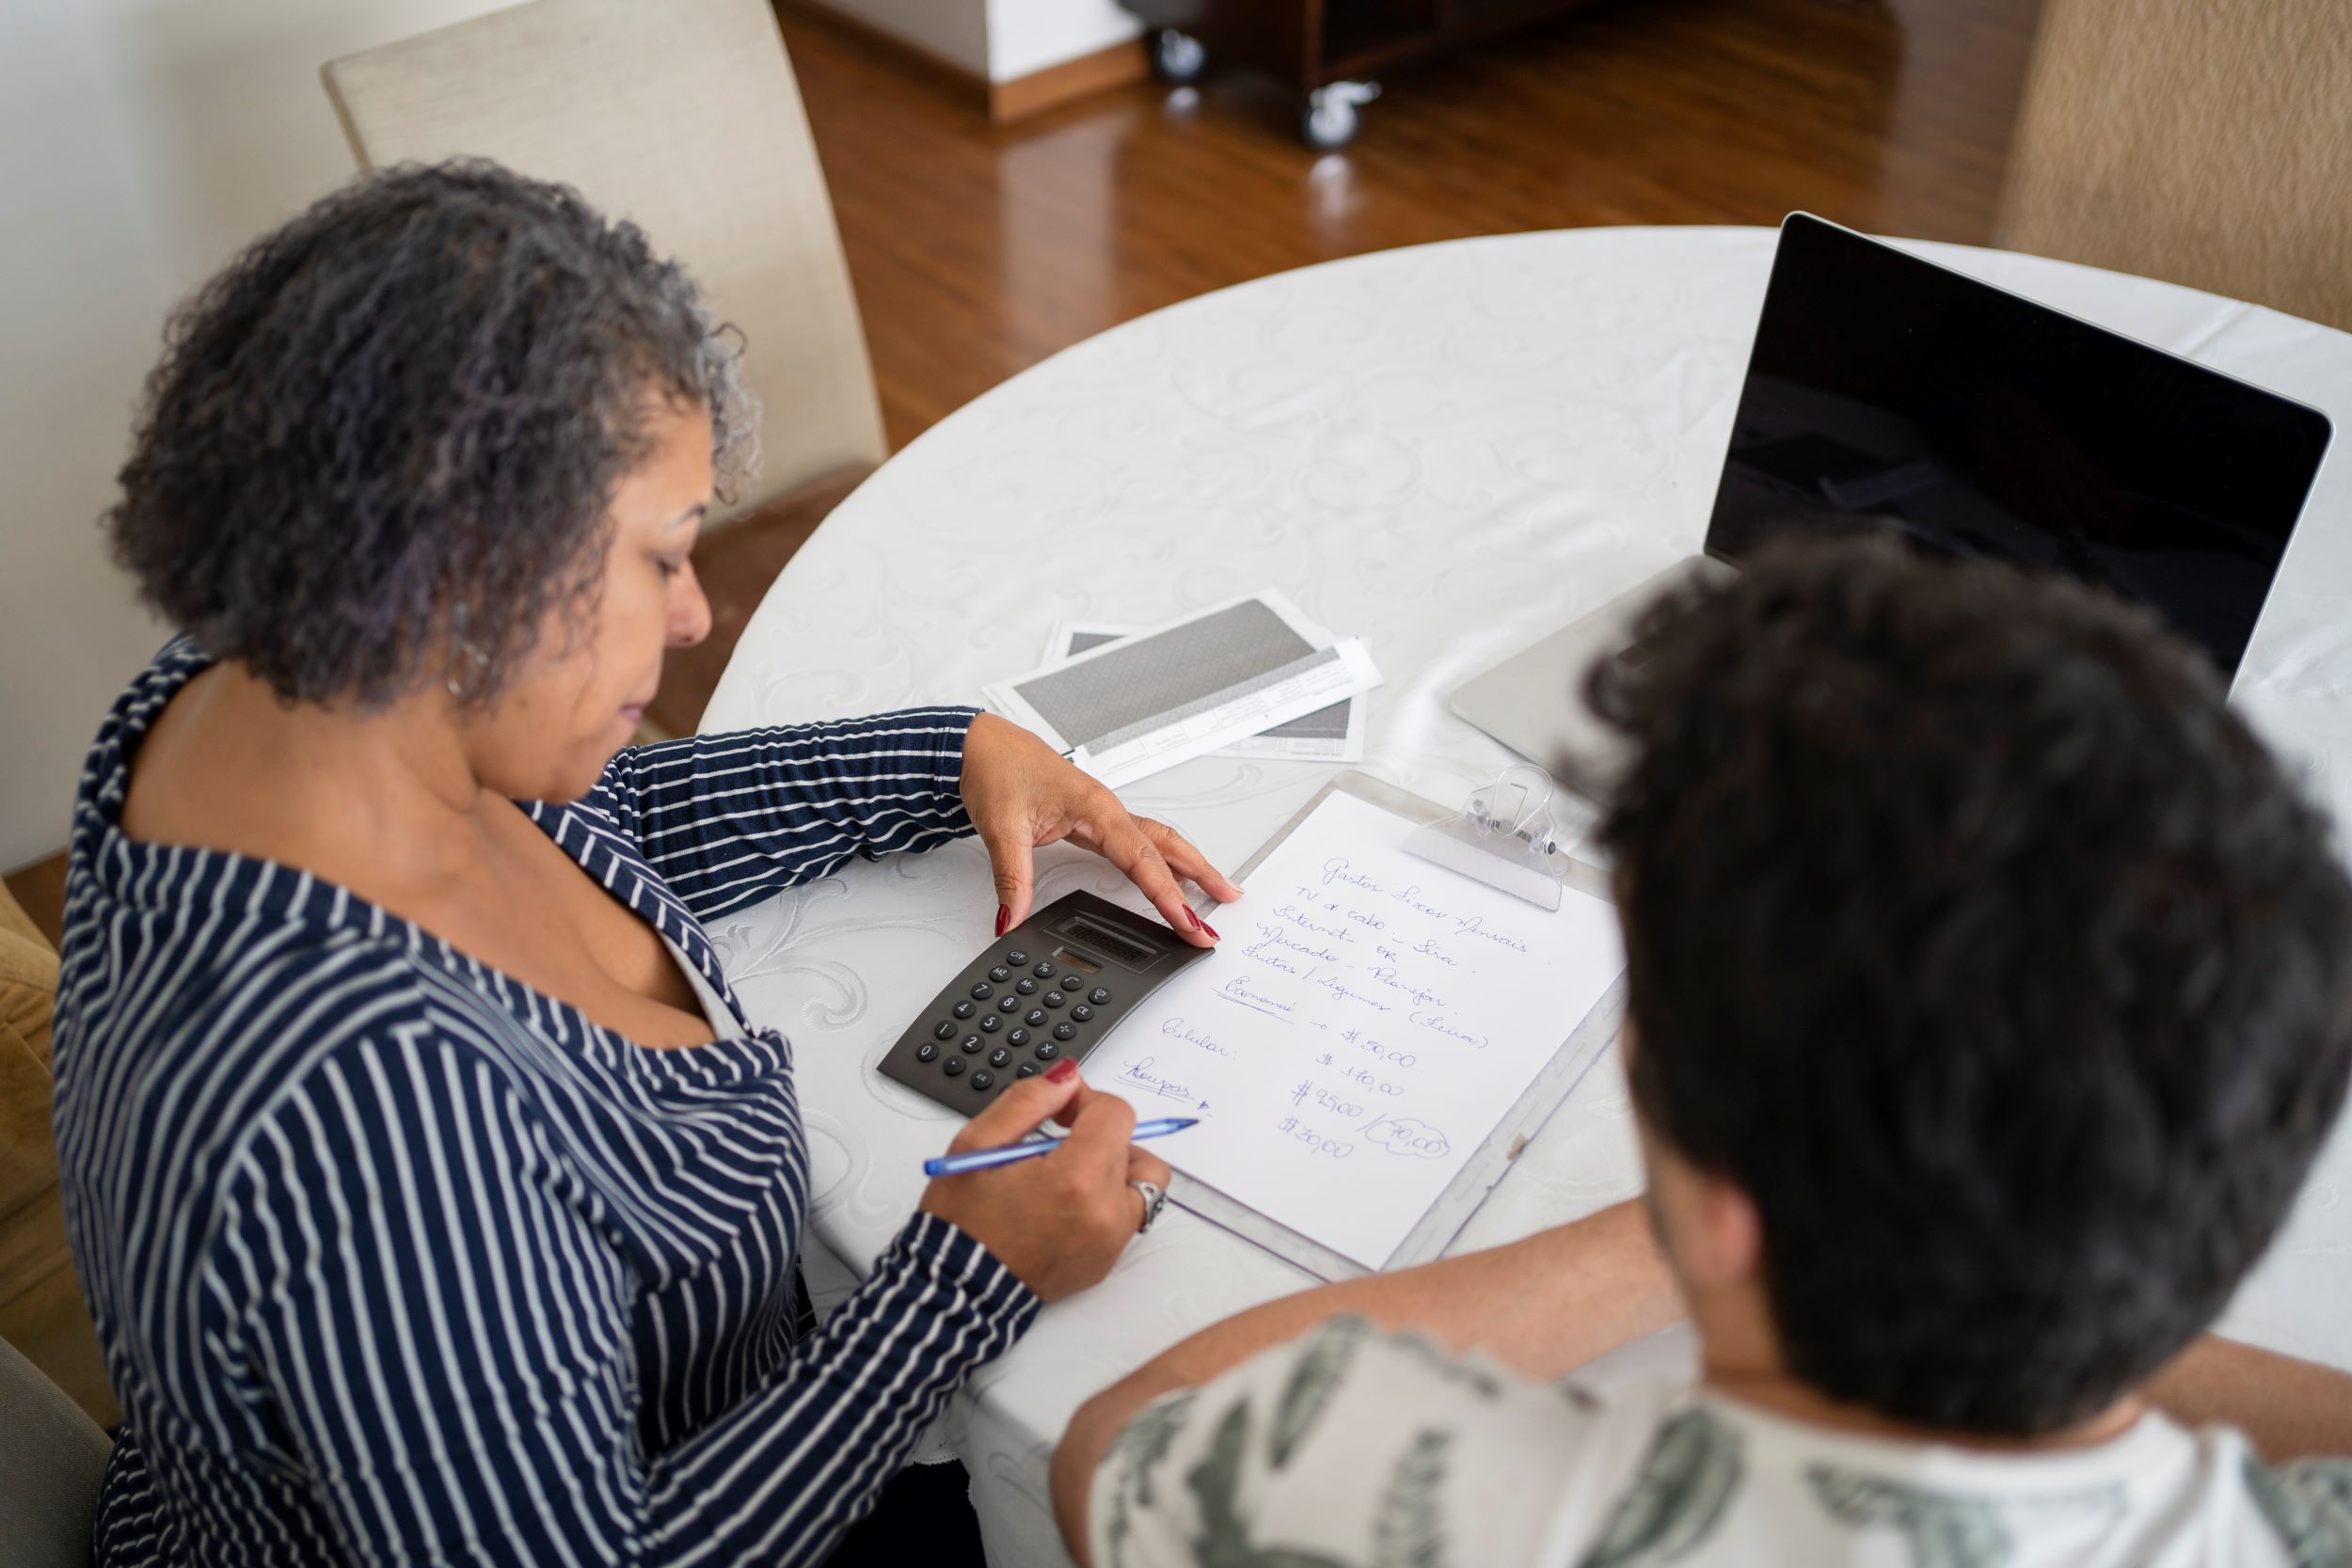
397,1259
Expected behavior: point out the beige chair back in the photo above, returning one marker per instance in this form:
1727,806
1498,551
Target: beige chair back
42,1312
51,1458
683,117
2207,144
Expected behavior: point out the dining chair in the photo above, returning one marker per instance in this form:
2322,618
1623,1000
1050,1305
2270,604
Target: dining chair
51,1458
54,1391
684,118
2208,144
41,1311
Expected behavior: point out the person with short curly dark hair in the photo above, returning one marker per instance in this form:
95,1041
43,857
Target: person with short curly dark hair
1990,997
434,1199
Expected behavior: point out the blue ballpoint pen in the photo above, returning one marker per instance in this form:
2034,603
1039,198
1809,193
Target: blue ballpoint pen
981,1159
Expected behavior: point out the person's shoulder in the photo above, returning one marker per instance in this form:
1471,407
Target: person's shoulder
2211,1498
2308,1504
106,769
205,1044
196,1032
1352,1444
174,1071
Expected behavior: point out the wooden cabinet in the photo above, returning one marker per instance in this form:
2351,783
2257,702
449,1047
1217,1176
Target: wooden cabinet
1328,49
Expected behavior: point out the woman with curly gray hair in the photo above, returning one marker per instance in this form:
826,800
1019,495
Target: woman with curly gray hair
435,1198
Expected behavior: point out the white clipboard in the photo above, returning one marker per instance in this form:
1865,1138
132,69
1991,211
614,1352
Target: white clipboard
1492,1160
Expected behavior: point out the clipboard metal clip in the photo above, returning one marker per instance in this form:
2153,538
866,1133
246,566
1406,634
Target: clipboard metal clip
1505,837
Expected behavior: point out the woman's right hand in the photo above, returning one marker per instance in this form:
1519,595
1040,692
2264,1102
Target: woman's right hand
1059,1222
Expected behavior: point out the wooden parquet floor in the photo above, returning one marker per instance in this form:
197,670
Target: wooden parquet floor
979,250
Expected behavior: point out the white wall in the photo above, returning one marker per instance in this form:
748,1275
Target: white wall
1028,36
955,31
141,142
999,39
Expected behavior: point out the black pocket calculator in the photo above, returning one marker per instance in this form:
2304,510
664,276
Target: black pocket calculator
1052,987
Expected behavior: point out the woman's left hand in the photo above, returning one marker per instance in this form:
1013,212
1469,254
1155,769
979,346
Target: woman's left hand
1021,794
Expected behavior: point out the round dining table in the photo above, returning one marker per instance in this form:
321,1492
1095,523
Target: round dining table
1448,451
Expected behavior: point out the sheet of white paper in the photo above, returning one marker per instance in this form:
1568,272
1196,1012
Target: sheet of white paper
1366,1022
1185,688
1349,673
1333,734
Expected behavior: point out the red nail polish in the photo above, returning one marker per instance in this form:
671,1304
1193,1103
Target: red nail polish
1004,912
1194,918
1061,1071
1211,930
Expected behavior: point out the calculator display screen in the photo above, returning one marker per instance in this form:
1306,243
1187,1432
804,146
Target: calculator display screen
1128,951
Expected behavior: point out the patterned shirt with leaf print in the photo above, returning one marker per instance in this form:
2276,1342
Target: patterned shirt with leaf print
1355,1449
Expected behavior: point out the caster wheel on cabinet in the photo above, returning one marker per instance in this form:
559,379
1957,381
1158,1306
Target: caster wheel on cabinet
1334,113
1178,59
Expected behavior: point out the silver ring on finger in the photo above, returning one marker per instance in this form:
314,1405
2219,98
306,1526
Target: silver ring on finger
1155,1200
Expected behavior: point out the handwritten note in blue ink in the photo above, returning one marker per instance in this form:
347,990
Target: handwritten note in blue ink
1367,1021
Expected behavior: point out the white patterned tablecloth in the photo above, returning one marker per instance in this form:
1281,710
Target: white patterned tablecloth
1450,451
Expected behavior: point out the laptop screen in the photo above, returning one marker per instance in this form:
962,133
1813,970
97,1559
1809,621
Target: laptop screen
1885,392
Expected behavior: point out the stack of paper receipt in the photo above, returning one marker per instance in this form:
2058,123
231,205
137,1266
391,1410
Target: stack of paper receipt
1250,677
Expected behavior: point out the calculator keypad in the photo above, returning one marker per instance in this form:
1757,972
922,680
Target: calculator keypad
1026,1044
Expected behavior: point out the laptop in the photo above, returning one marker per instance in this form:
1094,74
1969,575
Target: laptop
1888,394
